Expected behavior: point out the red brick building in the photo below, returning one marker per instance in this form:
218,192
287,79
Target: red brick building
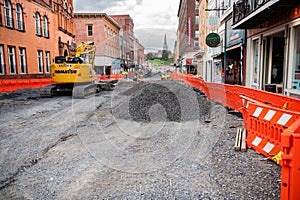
128,39
188,28
32,32
104,31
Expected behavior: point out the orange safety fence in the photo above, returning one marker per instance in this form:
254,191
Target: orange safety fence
272,122
110,77
229,95
9,85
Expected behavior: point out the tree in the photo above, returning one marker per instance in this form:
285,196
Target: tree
150,56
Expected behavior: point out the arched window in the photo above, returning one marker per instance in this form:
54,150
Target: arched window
38,24
19,17
45,26
8,14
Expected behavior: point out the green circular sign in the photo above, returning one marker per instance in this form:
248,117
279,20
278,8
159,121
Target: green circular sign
212,39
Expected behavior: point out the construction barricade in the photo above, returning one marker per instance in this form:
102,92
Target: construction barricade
272,122
275,133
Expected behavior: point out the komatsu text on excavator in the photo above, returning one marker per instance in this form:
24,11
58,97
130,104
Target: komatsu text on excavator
75,74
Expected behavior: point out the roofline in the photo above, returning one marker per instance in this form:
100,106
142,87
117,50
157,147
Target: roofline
98,15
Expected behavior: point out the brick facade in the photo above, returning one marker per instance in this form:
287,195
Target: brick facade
33,33
105,32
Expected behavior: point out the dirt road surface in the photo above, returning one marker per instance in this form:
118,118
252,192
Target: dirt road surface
151,140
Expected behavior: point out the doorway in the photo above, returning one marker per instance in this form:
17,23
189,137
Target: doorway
273,61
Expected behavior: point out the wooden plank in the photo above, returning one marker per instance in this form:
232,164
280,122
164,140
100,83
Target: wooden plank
238,138
243,145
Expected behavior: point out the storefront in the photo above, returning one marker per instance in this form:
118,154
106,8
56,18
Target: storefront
274,52
233,57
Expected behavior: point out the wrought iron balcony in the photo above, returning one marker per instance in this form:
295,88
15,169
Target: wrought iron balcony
249,14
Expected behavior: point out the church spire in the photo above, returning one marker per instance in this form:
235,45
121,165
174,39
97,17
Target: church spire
165,47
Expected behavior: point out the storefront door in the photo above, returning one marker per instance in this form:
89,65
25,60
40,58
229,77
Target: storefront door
273,61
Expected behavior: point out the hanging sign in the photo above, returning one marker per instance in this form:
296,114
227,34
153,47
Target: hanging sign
213,40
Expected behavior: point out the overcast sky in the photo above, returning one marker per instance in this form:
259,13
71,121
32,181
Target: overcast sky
152,18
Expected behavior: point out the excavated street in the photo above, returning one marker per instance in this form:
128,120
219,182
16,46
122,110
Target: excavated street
151,140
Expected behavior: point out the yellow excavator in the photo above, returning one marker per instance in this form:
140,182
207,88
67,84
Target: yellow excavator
75,74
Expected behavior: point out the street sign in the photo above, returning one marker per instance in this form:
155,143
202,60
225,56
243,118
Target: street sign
213,40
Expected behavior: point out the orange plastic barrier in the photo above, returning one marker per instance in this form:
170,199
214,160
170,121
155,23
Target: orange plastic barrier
265,125
229,95
275,133
272,122
110,77
9,85
290,170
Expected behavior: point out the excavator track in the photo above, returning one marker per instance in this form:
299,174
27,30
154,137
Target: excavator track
48,91
82,91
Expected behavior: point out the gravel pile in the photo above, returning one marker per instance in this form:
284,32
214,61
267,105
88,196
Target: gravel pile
147,101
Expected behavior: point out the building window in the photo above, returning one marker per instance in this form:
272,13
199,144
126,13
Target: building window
8,14
1,61
197,20
105,32
22,54
196,5
12,60
19,16
90,30
45,26
296,70
40,61
38,24
62,22
255,62
196,34
48,61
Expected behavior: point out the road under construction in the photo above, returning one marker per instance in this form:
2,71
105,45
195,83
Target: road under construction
271,127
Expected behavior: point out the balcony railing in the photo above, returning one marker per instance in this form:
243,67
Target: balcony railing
243,8
252,13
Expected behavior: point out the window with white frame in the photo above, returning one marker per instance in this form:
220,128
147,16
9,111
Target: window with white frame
1,60
296,66
22,55
40,61
8,14
38,24
12,60
255,62
19,17
45,27
48,61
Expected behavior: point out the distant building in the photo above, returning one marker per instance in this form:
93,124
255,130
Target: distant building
105,32
188,32
127,50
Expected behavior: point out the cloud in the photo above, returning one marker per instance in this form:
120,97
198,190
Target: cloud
94,5
151,18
